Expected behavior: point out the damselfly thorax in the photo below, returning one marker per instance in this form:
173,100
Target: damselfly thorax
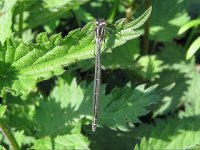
100,30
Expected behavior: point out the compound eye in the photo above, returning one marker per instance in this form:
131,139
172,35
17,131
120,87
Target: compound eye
103,23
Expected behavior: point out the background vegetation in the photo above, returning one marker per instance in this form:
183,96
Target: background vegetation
150,85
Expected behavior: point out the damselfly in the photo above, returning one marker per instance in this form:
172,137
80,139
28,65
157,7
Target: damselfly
99,32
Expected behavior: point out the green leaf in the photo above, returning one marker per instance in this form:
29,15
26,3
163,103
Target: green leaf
171,54
74,140
190,24
140,20
48,10
121,140
175,69
65,108
149,67
83,15
120,107
71,141
23,65
167,18
2,110
122,57
22,139
193,48
192,100
172,99
6,20
125,105
2,147
50,27
173,133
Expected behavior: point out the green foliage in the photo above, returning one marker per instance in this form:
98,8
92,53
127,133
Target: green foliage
167,18
193,48
190,24
126,105
2,110
74,140
150,87
195,45
66,109
173,134
38,61
5,30
44,12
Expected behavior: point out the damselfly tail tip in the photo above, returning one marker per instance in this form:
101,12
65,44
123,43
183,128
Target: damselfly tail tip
94,126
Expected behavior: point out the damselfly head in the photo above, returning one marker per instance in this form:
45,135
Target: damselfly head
100,22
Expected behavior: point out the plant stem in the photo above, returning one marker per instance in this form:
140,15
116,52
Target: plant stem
114,10
146,32
130,11
6,132
21,13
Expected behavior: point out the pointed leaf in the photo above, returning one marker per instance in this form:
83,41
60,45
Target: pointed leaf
23,65
167,18
194,47
190,24
173,134
6,20
44,12
2,110
71,102
73,140
140,20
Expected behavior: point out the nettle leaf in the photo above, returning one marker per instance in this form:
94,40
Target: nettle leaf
69,103
177,54
2,110
6,20
23,65
44,12
192,97
22,139
189,25
123,56
73,140
125,105
175,69
149,67
173,99
166,19
194,47
173,133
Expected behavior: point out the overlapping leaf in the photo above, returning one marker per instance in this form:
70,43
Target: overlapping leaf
69,103
6,20
2,110
123,56
166,19
124,106
178,71
47,11
73,140
22,65
173,134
